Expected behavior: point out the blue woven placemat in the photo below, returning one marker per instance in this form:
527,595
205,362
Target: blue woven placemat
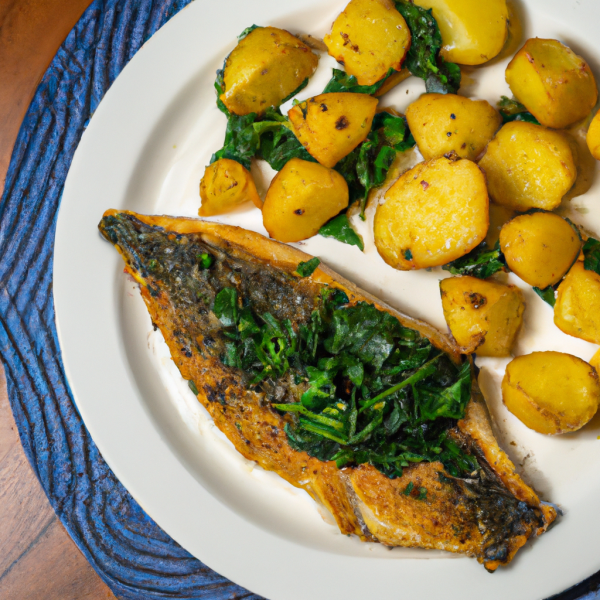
129,551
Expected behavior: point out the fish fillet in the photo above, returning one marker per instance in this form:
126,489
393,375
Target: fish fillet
488,516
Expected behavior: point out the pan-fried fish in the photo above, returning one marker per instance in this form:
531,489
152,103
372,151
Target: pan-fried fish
375,414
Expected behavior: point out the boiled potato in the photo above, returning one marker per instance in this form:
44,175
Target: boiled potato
539,247
302,197
557,86
434,214
482,315
528,166
473,31
444,123
577,309
330,126
593,137
264,68
369,38
551,392
226,184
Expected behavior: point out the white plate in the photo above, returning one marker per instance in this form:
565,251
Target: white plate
145,150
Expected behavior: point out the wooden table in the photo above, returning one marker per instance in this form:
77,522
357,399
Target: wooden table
38,559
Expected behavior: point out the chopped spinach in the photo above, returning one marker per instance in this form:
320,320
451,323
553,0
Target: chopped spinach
547,295
342,82
424,58
481,262
591,253
306,269
370,390
340,229
513,110
247,31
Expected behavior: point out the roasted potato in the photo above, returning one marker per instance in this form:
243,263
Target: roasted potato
528,166
444,123
577,308
369,38
593,137
330,126
265,68
302,197
557,86
473,31
539,247
483,316
434,214
226,184
551,392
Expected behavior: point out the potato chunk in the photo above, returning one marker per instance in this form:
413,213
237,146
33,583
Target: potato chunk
483,316
264,68
528,166
577,309
443,123
540,247
473,31
556,85
551,392
226,184
302,197
330,126
593,137
369,38
434,214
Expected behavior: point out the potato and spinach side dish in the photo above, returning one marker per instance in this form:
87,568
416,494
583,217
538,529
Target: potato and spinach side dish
370,411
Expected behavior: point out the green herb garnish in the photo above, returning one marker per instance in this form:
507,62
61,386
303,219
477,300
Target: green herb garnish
424,58
368,389
481,262
340,229
547,295
342,82
513,110
193,387
306,269
591,253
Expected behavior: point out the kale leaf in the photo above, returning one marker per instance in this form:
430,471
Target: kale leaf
340,229
424,58
481,262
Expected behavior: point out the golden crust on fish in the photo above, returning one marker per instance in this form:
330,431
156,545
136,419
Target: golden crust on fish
489,518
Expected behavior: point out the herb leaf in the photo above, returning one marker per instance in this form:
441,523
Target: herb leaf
591,253
306,269
342,82
513,110
424,58
481,262
340,229
547,295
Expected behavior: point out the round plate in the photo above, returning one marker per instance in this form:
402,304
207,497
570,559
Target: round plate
145,150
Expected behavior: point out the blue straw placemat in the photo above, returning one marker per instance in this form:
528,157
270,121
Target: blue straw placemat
129,551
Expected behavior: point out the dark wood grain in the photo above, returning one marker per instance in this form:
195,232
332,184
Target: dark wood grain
38,560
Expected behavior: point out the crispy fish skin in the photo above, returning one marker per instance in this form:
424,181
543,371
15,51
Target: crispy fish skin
488,518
